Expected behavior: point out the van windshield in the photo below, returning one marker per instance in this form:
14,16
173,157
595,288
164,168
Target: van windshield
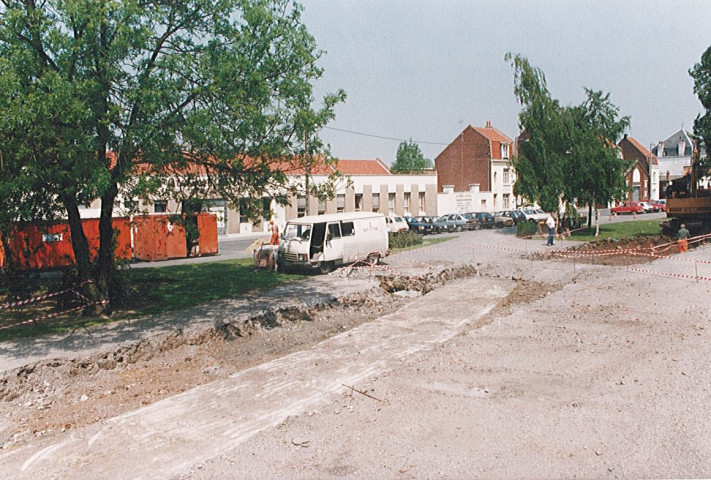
297,231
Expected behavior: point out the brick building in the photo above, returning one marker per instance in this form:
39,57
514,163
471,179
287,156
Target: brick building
641,186
478,160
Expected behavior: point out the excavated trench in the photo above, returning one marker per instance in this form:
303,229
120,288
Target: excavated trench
53,378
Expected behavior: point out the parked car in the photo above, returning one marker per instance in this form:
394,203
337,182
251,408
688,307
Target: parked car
421,225
501,220
485,219
534,214
515,215
627,207
659,205
460,222
647,207
396,224
443,224
472,220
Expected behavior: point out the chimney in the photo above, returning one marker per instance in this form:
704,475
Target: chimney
488,124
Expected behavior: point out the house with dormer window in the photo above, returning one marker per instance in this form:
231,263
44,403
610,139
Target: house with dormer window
475,170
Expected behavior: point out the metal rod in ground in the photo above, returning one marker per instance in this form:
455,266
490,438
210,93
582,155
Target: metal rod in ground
353,389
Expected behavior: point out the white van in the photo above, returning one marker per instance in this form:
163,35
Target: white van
324,242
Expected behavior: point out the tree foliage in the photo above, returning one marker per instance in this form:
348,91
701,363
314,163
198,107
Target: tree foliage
410,159
103,99
567,154
701,73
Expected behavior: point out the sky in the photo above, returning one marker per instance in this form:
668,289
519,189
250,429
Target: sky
425,69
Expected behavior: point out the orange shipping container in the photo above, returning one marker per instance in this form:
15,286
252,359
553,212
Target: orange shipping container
42,245
207,225
155,237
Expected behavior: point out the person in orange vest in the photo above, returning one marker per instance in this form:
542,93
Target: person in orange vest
682,239
275,233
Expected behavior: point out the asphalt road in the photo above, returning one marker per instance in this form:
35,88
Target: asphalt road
231,247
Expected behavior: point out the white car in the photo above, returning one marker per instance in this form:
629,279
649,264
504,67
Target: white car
396,224
647,207
534,214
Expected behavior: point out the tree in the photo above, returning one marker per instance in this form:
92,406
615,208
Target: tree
409,159
594,169
546,126
701,73
567,154
109,98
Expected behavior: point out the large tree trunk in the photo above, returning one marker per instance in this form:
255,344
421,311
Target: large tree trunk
82,255
105,261
590,212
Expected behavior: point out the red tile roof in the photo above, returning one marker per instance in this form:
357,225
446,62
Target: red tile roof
492,134
362,167
642,150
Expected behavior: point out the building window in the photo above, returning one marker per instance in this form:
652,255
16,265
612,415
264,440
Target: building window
340,203
358,202
160,206
505,201
391,203
301,206
130,205
504,150
407,202
507,178
483,205
376,202
421,202
321,206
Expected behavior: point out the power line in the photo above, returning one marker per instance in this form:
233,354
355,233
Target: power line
386,138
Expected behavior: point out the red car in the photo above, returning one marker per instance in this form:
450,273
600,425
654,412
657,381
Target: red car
627,207
659,206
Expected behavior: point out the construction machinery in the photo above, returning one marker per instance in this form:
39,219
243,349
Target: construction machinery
687,203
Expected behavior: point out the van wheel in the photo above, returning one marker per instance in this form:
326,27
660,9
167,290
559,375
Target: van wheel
373,259
326,267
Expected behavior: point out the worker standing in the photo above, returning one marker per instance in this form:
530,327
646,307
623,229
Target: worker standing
682,239
275,233
551,224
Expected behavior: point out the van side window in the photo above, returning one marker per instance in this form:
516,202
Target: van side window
335,230
347,229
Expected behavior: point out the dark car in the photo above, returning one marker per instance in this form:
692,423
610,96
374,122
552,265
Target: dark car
515,215
485,219
443,224
421,225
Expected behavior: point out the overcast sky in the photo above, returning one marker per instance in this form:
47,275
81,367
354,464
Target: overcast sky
424,69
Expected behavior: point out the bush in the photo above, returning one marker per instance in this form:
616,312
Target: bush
404,239
526,229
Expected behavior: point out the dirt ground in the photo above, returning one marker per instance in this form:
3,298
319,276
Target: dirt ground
612,310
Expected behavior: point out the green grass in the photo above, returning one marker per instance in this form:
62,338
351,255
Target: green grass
626,229
164,289
156,290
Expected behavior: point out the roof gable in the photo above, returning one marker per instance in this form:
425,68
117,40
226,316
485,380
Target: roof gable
642,150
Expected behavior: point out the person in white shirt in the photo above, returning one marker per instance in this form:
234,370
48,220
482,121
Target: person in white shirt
550,222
